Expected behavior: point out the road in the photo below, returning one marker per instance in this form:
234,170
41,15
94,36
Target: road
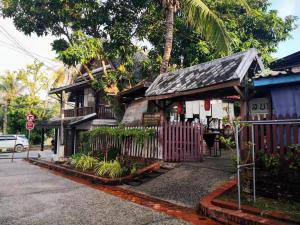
34,154
34,196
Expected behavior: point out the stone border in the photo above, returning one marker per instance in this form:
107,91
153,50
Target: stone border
227,211
171,209
91,177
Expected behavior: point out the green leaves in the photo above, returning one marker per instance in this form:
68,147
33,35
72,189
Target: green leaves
139,134
84,162
200,17
110,169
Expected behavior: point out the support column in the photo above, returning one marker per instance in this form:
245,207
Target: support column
42,139
244,130
61,149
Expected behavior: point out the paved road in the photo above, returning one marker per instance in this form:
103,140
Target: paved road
47,154
31,195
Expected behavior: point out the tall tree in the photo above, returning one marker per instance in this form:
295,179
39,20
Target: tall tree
200,17
262,29
10,88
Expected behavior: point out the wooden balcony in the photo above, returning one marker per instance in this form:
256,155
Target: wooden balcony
83,111
104,112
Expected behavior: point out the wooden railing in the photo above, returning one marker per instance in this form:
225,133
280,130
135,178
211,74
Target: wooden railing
105,112
83,111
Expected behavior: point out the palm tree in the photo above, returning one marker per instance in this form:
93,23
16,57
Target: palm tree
201,18
10,88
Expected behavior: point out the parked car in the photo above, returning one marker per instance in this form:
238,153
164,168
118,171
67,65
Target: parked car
11,141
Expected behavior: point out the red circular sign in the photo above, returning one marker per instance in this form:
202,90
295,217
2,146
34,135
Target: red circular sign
29,125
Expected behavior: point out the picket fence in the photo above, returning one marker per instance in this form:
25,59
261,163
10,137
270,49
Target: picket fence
172,142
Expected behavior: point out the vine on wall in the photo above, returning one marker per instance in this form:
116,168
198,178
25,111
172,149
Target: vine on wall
139,134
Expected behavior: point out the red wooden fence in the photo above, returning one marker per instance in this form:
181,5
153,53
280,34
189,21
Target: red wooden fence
276,135
173,142
182,141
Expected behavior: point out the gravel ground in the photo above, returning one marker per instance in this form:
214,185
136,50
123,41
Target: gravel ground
33,196
188,182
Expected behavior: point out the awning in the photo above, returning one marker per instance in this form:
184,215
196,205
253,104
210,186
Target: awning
69,87
68,122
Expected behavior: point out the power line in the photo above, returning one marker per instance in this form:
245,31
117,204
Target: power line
19,46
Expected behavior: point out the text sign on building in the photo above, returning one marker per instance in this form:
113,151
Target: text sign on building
259,106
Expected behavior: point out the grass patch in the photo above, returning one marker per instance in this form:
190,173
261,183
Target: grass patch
289,208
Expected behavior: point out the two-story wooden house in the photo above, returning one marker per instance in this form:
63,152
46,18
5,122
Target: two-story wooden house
81,109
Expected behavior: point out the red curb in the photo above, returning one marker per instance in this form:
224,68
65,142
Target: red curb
93,178
227,211
177,211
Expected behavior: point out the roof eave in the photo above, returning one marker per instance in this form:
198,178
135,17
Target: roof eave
213,87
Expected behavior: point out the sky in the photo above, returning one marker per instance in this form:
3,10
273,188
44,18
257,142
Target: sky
14,56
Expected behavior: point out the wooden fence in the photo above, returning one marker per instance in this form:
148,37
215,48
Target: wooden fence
275,135
129,146
172,142
182,141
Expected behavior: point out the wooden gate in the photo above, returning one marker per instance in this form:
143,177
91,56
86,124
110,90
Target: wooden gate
182,141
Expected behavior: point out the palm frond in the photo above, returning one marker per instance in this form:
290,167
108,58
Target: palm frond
199,16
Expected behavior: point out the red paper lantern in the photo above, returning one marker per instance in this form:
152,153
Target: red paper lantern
207,104
179,107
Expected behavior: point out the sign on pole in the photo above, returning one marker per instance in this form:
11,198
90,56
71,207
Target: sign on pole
30,118
29,125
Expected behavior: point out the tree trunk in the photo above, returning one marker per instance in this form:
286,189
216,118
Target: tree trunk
169,39
5,120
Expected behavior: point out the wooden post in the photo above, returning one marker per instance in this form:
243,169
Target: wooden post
62,115
42,141
61,150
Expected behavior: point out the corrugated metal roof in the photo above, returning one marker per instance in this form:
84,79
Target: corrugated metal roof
275,73
221,70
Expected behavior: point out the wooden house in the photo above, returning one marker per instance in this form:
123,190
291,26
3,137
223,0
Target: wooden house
81,109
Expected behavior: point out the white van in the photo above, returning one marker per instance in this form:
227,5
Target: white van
11,141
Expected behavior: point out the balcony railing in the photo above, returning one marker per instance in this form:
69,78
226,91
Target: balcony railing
83,111
104,112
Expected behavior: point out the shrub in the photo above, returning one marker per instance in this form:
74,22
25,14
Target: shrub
133,169
75,158
85,162
109,169
113,153
272,162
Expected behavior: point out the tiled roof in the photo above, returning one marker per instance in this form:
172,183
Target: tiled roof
221,70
